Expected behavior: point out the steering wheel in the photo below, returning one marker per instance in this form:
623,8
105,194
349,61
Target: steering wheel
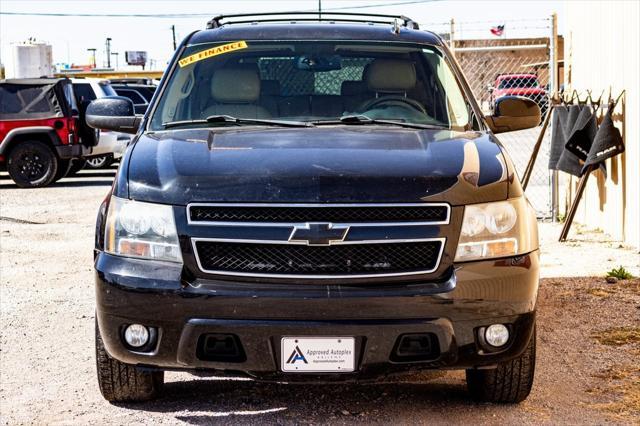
393,100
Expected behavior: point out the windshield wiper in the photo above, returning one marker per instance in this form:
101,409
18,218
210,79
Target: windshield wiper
268,122
363,119
227,119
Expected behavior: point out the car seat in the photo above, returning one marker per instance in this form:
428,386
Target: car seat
235,91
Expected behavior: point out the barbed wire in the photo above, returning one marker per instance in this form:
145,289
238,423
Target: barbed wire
509,28
505,20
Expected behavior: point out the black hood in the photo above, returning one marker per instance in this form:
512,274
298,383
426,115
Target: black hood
373,164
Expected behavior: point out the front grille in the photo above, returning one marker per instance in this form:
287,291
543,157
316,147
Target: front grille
289,214
302,260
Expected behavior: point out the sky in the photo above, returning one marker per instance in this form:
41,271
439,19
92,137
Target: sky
71,36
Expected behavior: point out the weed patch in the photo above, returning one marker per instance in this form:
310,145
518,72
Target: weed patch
618,336
620,273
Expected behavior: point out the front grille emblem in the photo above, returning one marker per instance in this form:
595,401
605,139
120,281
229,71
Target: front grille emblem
318,233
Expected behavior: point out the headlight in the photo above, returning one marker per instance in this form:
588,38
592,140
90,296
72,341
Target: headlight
500,229
142,230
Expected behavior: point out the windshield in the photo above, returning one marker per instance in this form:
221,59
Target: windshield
312,81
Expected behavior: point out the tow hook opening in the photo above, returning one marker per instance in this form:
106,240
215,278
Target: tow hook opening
220,348
416,347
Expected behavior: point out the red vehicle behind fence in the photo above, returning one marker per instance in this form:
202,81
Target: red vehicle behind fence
527,85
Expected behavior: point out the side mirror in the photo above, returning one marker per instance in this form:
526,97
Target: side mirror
514,113
113,113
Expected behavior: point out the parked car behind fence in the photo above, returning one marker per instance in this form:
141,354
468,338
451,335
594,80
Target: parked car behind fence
526,85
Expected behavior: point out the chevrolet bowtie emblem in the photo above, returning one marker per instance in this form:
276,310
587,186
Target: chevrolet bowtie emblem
318,234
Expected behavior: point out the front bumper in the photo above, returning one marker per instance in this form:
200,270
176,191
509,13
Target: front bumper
157,295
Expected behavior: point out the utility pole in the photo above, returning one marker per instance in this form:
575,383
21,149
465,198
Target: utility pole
320,9
108,51
173,32
93,56
116,55
553,91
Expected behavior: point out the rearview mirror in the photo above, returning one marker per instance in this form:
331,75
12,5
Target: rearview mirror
113,113
514,113
318,63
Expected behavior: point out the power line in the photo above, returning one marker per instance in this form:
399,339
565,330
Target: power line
193,15
107,15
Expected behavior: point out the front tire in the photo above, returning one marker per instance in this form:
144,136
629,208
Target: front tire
510,382
120,382
32,164
63,169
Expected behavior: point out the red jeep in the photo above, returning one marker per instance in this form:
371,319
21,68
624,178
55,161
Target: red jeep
526,85
38,130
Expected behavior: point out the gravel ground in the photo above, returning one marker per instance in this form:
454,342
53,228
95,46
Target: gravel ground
588,339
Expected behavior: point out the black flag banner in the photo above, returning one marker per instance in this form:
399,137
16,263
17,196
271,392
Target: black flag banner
574,130
583,132
607,142
564,117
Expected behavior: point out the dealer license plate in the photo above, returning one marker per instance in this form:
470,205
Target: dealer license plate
318,354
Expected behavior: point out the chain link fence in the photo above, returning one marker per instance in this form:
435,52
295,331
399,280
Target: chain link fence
495,66
294,82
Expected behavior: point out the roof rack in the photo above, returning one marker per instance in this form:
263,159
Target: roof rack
250,18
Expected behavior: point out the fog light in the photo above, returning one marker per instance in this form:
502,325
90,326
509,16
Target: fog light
136,335
496,335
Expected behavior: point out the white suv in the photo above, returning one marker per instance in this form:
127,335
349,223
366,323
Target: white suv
110,145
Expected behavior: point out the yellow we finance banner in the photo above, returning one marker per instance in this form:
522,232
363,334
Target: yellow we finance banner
214,51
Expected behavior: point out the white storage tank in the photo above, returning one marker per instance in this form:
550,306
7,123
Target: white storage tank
32,59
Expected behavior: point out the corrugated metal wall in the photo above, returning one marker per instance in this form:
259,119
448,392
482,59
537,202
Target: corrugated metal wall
602,50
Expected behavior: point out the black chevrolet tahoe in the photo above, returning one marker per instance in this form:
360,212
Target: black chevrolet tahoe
315,199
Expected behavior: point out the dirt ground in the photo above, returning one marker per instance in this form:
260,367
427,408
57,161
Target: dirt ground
588,368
